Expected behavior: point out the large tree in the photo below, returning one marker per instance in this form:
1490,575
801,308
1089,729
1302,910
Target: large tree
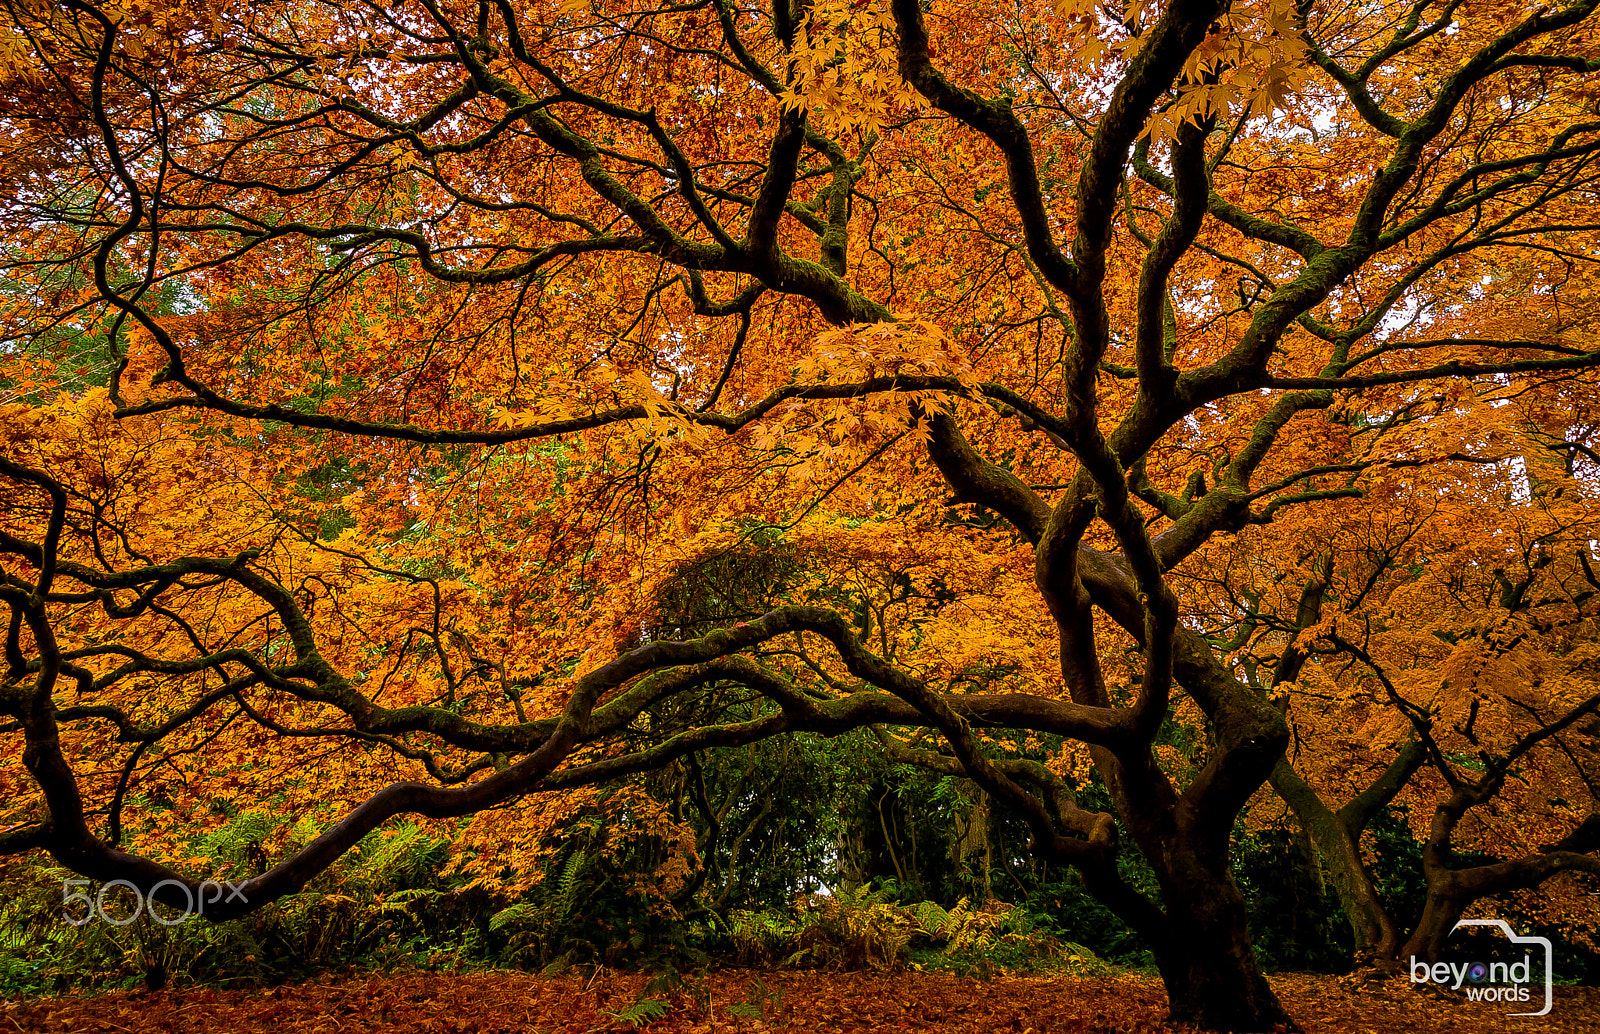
510,316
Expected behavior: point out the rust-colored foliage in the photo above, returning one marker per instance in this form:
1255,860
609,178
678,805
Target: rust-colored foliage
512,1004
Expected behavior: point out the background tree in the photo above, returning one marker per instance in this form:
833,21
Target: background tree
1000,315
1440,657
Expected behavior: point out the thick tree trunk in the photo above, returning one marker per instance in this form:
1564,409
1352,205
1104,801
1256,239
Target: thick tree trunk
1207,963
1376,936
1339,849
1440,912
1206,958
1337,836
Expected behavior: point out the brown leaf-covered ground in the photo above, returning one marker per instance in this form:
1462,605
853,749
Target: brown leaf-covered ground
813,1003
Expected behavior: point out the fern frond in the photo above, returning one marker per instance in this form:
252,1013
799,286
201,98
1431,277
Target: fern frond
569,883
935,921
641,1012
232,840
515,914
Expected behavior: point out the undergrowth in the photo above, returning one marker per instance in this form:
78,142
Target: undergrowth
392,904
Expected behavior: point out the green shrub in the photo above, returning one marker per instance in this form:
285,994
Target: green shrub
862,930
380,906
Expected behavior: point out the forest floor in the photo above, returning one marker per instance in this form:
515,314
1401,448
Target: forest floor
736,1001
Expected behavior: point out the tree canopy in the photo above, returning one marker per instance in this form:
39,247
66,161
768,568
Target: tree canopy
438,408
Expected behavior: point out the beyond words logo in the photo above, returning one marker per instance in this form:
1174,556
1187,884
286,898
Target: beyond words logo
1491,981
